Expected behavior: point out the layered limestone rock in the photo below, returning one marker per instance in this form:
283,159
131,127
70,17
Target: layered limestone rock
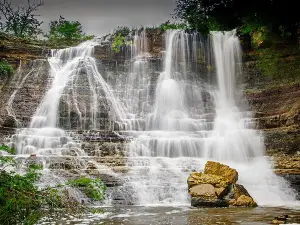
217,187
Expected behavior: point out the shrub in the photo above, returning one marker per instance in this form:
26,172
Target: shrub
118,38
94,189
5,68
23,202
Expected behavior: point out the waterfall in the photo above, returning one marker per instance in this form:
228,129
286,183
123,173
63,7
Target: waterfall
232,139
74,100
176,118
180,135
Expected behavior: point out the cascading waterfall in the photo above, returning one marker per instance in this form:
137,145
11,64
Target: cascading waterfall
232,140
161,155
177,119
179,136
73,101
138,83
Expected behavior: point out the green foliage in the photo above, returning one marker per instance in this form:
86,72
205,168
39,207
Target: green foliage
63,30
119,38
8,149
118,42
20,21
23,202
123,31
93,188
249,15
284,32
255,28
5,69
6,161
20,199
204,15
173,26
275,65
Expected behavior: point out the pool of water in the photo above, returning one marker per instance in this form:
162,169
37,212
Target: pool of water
128,215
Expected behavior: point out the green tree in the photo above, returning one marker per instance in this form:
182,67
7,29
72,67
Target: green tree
250,15
20,21
65,30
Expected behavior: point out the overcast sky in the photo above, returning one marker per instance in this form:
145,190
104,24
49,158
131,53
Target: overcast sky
98,17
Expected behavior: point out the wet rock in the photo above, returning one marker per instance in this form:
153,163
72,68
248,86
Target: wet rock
9,121
280,219
217,187
69,152
200,202
245,201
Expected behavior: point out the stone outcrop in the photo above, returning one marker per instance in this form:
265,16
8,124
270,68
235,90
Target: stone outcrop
217,187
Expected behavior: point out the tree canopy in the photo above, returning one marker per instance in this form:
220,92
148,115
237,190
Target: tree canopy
66,30
204,15
20,21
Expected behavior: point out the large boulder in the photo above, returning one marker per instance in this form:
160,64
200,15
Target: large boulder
217,187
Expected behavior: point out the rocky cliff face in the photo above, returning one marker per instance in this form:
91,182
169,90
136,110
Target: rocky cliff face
272,77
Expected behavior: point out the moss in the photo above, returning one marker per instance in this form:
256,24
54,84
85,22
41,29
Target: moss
274,65
93,188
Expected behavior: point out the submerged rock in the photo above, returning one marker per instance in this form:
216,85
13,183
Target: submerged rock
217,187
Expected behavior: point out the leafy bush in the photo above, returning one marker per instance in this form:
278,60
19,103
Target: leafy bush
23,202
5,68
66,31
8,149
118,42
118,38
20,199
94,189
